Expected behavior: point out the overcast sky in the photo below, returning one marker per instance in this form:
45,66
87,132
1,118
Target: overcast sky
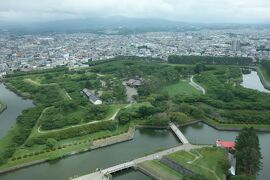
179,10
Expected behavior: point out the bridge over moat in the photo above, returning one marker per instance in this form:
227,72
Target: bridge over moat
102,174
178,133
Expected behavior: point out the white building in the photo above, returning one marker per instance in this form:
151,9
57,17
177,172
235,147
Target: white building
92,97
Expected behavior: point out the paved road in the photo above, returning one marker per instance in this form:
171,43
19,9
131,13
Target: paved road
197,86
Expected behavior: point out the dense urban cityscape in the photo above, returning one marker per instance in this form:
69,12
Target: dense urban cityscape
27,52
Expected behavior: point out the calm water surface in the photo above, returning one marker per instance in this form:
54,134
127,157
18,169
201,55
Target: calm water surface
15,106
252,81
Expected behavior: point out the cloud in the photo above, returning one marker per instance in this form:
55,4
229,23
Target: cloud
182,10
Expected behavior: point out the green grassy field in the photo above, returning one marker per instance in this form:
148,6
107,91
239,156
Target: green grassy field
182,87
160,170
205,161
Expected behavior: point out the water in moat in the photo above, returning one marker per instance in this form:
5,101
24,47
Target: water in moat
252,81
15,105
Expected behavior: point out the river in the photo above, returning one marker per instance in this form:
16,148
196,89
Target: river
252,81
15,106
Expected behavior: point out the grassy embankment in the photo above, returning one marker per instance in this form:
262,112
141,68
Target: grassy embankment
159,170
35,153
64,148
109,116
204,161
264,76
61,91
2,107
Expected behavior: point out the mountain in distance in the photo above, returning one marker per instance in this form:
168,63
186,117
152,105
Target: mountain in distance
116,24
93,24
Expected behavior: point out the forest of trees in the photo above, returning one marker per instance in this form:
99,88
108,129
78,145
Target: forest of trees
174,59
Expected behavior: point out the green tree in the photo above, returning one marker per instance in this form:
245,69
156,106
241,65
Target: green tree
200,67
124,117
107,96
178,117
248,154
146,111
50,143
225,165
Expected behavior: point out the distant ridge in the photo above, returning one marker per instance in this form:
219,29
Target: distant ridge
123,24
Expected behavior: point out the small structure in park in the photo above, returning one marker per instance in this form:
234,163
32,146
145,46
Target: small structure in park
92,97
135,82
229,145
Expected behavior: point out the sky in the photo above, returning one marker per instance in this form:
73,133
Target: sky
225,11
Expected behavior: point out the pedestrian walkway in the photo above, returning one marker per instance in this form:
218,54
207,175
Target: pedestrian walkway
178,133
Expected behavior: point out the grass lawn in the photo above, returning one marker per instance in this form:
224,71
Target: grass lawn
204,161
160,170
61,91
182,87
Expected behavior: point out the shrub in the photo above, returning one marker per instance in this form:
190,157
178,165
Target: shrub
51,142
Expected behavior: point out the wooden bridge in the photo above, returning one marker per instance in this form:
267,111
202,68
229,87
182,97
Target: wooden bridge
102,174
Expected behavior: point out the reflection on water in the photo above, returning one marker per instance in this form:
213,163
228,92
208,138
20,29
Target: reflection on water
252,81
131,175
154,132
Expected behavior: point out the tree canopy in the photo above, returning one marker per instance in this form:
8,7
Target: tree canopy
248,154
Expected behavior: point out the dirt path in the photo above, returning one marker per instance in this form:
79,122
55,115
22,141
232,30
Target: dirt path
197,157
